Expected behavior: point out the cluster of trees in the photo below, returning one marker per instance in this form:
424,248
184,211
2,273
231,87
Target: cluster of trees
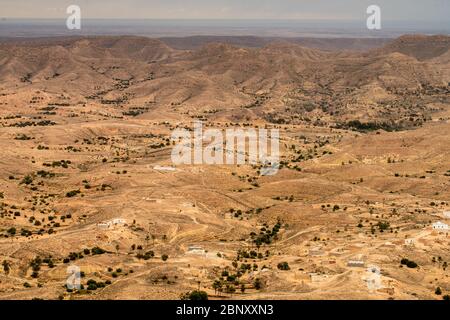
145,256
42,123
335,207
408,263
79,255
369,126
35,265
45,174
93,285
195,295
283,266
383,225
440,260
229,280
27,180
252,254
72,193
135,111
238,212
22,136
62,163
266,235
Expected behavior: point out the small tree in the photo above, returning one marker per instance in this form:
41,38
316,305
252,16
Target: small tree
230,289
27,180
217,285
257,284
283,266
6,266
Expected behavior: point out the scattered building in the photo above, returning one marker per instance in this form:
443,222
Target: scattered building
316,252
357,262
316,277
103,225
196,250
337,251
150,200
111,223
161,168
410,242
440,226
389,244
118,221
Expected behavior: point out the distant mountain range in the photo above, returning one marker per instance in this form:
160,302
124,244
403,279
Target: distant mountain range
337,82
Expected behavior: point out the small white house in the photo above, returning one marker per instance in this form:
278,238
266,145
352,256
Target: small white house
446,214
196,250
103,226
440,226
314,252
111,223
118,221
356,263
409,242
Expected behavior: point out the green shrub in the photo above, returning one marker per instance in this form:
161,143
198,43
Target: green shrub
195,295
283,266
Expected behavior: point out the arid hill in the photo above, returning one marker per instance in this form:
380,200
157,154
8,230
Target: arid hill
220,74
419,46
87,181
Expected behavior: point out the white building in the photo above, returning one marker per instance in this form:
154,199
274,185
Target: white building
440,226
196,250
316,252
356,263
118,221
388,244
111,223
409,242
446,214
103,225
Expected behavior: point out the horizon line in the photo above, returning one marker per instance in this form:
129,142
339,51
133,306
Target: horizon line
220,19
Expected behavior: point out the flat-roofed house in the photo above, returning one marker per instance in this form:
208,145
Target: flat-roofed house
440,226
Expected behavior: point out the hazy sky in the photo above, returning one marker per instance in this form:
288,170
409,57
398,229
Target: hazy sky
417,10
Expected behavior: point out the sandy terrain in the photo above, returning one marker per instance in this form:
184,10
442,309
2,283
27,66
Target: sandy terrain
85,134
